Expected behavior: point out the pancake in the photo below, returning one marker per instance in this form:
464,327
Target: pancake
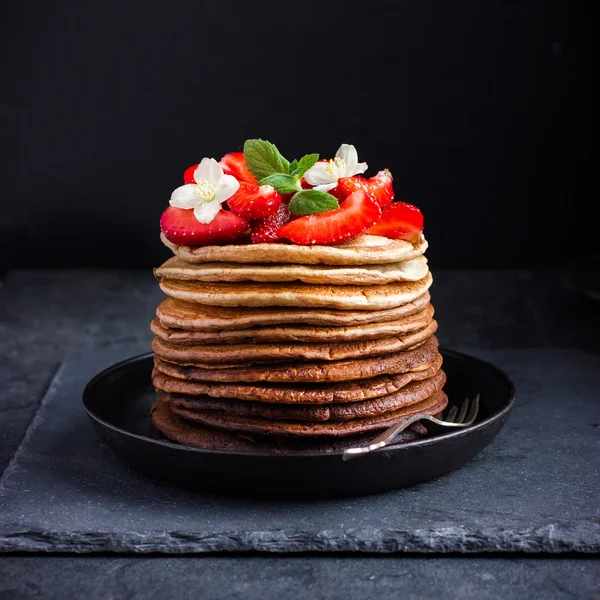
178,430
231,353
197,317
295,333
414,392
408,270
255,425
364,250
307,393
419,358
345,297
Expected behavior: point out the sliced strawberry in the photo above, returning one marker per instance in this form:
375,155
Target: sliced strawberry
180,226
399,221
188,175
356,214
235,164
379,186
265,231
253,201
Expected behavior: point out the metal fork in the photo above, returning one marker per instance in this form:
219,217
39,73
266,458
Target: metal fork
455,419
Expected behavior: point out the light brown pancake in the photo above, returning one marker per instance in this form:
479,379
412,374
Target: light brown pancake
408,270
414,392
364,250
254,425
178,430
295,333
419,358
305,393
345,297
198,317
231,353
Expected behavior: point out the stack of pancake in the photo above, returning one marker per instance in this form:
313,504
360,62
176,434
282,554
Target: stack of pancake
284,348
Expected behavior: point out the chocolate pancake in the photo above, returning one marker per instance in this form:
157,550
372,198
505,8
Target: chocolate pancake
408,270
214,354
305,393
412,393
191,316
255,425
344,297
295,333
418,358
363,250
178,430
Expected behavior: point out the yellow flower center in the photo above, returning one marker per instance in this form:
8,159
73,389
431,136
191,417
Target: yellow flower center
335,167
205,190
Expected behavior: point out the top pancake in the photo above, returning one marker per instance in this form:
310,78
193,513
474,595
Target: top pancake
178,314
345,297
408,270
364,250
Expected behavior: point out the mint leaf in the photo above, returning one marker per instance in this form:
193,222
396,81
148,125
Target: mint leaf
284,184
264,159
304,164
293,166
310,202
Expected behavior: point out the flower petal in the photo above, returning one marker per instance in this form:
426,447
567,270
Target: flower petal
318,174
185,196
348,153
325,187
208,170
226,188
205,212
360,168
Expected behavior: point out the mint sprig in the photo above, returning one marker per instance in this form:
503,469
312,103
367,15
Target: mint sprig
264,159
270,167
310,202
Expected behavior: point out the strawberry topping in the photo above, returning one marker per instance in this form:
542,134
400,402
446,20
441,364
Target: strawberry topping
252,201
400,221
188,175
379,186
235,164
180,226
354,216
265,231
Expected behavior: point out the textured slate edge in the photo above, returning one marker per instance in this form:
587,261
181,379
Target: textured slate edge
552,539
46,397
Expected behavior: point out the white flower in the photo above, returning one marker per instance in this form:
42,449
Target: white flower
211,189
325,174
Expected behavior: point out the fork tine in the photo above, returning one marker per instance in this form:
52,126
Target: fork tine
463,411
474,409
451,414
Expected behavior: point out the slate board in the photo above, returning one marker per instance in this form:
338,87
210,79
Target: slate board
535,489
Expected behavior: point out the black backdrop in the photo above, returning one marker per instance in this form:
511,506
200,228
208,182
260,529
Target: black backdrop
480,109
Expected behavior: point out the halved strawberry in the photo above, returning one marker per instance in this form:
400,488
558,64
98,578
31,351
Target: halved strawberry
180,226
399,221
356,214
253,201
265,231
235,164
379,186
188,174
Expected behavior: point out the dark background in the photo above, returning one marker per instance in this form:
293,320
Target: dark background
482,110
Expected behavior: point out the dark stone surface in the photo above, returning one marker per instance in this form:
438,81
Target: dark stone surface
299,577
535,489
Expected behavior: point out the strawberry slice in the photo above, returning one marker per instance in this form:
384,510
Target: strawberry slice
399,221
379,186
253,201
354,216
235,164
265,231
180,226
188,174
